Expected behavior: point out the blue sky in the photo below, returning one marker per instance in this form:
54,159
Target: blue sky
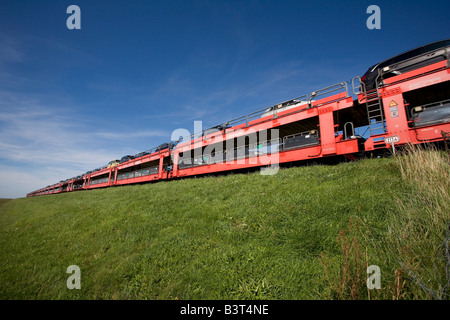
72,100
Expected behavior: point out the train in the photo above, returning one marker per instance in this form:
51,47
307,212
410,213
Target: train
401,101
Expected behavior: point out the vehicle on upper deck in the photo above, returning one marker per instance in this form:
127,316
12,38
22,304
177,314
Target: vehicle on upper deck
410,60
113,163
126,158
166,145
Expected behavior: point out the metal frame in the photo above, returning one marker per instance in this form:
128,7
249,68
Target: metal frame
332,99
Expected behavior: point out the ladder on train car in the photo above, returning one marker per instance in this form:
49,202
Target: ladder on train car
374,106
375,112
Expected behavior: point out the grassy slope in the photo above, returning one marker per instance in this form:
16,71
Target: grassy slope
242,236
4,201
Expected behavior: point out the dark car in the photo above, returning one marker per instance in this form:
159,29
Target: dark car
214,129
167,145
407,61
126,158
141,154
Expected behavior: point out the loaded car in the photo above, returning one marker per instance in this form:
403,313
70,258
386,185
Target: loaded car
113,163
215,129
126,158
141,154
432,113
167,145
407,61
285,106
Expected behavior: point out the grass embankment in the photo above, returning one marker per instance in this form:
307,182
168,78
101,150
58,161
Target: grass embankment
4,201
241,236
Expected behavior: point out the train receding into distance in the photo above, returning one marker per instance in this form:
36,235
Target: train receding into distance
402,100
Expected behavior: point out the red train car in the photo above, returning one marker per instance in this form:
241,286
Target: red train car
407,102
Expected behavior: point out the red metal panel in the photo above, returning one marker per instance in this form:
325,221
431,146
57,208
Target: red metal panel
327,137
98,185
151,177
100,172
343,147
421,72
144,159
410,83
428,133
327,130
160,169
396,118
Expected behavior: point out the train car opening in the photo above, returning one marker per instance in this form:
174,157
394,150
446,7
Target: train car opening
428,105
139,170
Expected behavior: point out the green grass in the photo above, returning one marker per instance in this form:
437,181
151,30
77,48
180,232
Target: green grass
240,236
4,201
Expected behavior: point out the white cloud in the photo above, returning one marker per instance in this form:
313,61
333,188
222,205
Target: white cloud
17,182
130,135
41,145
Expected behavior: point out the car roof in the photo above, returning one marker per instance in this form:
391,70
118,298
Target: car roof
430,47
127,156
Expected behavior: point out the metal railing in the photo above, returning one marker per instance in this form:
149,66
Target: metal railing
305,99
260,114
